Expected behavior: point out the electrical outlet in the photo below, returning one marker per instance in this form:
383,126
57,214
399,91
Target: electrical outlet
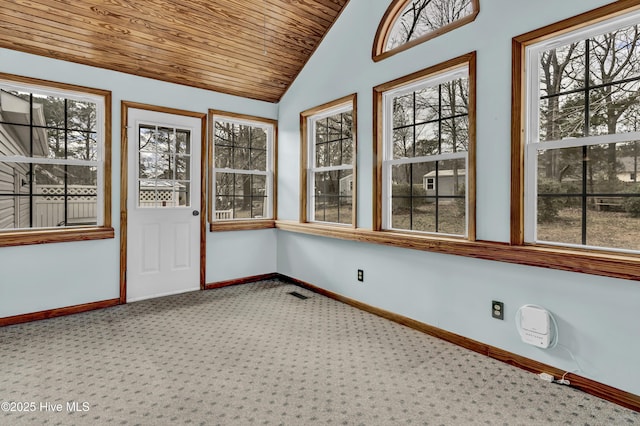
497,310
360,275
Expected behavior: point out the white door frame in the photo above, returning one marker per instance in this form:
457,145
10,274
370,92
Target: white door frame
124,185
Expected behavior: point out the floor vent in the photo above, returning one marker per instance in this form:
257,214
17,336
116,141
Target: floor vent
298,295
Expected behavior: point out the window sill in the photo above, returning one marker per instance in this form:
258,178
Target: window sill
46,236
392,238
588,262
241,225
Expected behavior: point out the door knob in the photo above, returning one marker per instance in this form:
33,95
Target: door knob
196,213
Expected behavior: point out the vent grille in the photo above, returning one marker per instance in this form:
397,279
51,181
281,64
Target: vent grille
298,295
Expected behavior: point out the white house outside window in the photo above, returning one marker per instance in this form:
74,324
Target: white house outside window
330,174
425,154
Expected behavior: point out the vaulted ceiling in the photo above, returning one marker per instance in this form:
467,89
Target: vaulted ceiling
249,48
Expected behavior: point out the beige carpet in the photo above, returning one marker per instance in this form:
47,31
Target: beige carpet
255,355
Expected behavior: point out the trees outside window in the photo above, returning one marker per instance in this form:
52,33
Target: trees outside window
328,164
426,140
583,137
410,22
242,163
53,156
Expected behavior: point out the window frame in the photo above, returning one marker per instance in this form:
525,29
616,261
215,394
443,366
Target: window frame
307,167
585,260
104,229
612,265
431,183
532,129
381,192
525,116
389,19
240,224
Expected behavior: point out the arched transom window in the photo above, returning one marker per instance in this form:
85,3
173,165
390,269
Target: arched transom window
410,22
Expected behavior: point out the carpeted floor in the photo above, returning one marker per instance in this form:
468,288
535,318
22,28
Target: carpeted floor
254,354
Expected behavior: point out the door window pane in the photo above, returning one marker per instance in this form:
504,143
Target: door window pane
164,167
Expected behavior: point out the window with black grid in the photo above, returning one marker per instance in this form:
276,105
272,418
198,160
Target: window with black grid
51,158
242,169
332,168
583,145
425,155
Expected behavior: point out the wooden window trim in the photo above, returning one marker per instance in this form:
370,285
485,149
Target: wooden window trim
597,262
378,140
518,47
304,155
241,224
244,225
391,16
594,263
28,237
49,235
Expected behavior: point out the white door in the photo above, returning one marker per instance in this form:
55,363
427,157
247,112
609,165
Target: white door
163,207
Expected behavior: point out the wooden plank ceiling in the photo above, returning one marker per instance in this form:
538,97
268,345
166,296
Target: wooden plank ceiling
249,48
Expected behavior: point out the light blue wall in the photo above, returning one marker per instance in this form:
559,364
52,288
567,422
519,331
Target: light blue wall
598,317
241,254
35,278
